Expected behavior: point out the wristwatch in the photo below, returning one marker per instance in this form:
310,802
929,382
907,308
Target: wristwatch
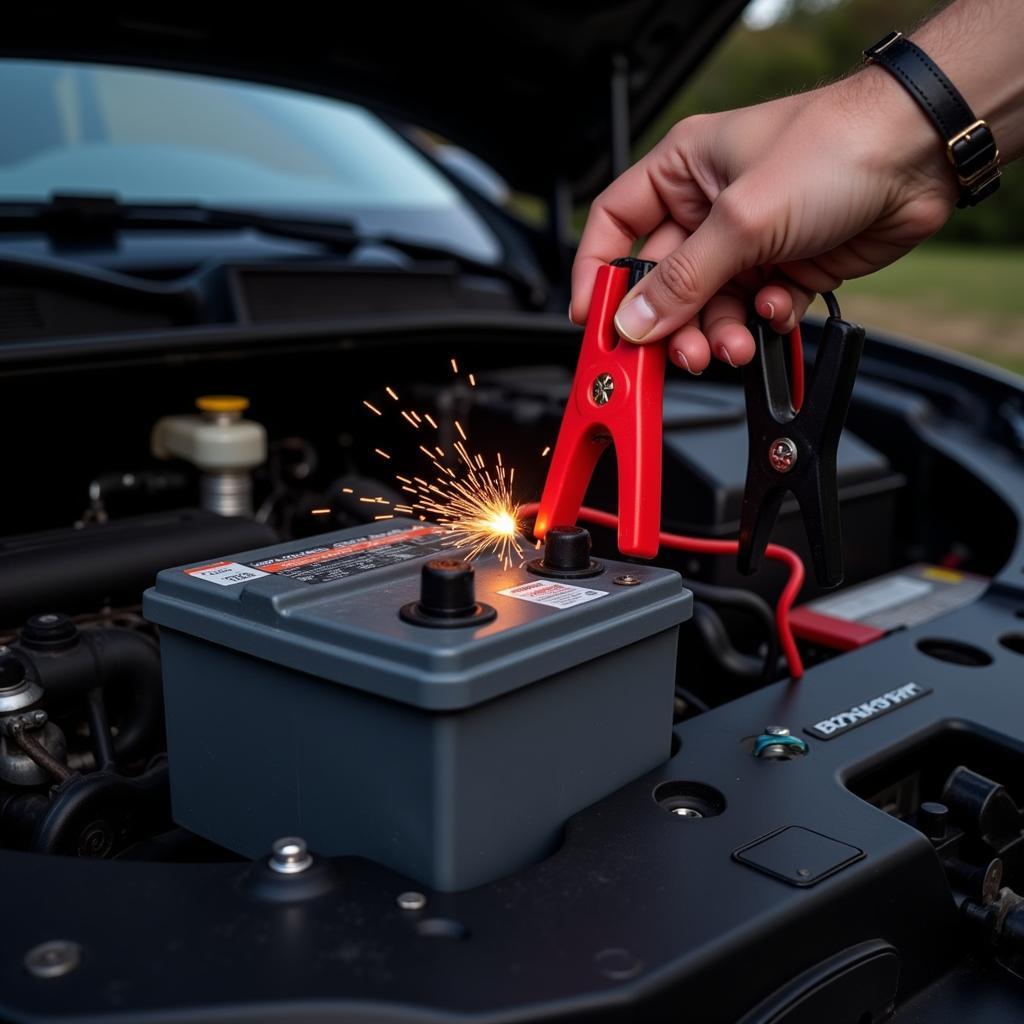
970,145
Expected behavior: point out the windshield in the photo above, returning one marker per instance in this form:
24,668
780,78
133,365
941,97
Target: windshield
160,137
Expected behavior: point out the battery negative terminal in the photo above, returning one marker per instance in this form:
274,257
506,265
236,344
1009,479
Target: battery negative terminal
447,597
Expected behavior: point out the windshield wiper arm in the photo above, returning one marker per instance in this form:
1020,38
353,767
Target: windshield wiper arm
84,217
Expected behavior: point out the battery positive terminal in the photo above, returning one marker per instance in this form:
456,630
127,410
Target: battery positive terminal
566,555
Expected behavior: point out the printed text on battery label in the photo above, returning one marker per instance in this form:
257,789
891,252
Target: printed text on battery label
554,595
225,574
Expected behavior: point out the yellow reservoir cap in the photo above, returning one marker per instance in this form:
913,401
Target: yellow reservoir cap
222,403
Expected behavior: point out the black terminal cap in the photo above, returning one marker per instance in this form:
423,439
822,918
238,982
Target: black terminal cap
12,670
566,555
447,597
50,631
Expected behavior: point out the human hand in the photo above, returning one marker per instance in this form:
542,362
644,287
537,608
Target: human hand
764,207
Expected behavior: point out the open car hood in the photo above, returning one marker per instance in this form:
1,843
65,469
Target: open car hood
528,87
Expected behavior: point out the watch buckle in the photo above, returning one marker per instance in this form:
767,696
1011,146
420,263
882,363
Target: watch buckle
973,180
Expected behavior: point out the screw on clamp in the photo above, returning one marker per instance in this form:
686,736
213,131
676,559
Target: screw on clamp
602,388
782,454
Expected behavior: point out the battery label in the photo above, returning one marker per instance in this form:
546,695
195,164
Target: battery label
554,595
862,602
355,555
225,574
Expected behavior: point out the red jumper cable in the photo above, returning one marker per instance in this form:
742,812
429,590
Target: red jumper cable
617,398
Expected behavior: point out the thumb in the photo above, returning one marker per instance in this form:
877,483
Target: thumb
677,289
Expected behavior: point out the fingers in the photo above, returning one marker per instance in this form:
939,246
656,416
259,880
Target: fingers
783,304
688,348
627,210
666,237
725,327
684,280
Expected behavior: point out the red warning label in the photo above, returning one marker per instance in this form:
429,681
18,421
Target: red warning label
356,554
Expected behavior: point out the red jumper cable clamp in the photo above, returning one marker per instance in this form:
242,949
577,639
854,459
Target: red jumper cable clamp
793,444
617,399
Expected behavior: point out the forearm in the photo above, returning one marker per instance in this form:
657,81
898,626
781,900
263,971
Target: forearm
979,44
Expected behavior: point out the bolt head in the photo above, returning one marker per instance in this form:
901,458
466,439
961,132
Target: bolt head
686,812
411,901
776,730
602,388
53,959
628,580
782,454
290,856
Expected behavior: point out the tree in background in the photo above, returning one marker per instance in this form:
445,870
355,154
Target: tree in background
814,41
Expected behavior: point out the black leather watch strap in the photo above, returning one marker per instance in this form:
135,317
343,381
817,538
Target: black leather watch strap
970,145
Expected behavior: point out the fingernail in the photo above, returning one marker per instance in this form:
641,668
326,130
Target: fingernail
635,320
685,363
723,354
768,311
573,322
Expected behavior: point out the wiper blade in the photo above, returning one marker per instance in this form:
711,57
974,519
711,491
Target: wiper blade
83,217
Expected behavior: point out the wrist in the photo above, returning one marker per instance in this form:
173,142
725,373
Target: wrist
900,144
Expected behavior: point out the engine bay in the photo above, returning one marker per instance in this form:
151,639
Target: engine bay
651,807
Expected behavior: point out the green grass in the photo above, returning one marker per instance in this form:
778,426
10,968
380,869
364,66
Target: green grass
968,298
953,278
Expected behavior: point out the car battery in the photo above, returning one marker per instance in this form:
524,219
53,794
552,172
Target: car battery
356,690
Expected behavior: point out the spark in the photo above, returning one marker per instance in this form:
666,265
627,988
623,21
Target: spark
347,490
320,511
469,497
547,449
480,512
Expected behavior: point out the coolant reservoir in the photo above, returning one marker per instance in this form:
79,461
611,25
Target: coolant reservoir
221,444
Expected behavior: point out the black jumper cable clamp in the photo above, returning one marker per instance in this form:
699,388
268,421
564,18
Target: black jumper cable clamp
793,443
